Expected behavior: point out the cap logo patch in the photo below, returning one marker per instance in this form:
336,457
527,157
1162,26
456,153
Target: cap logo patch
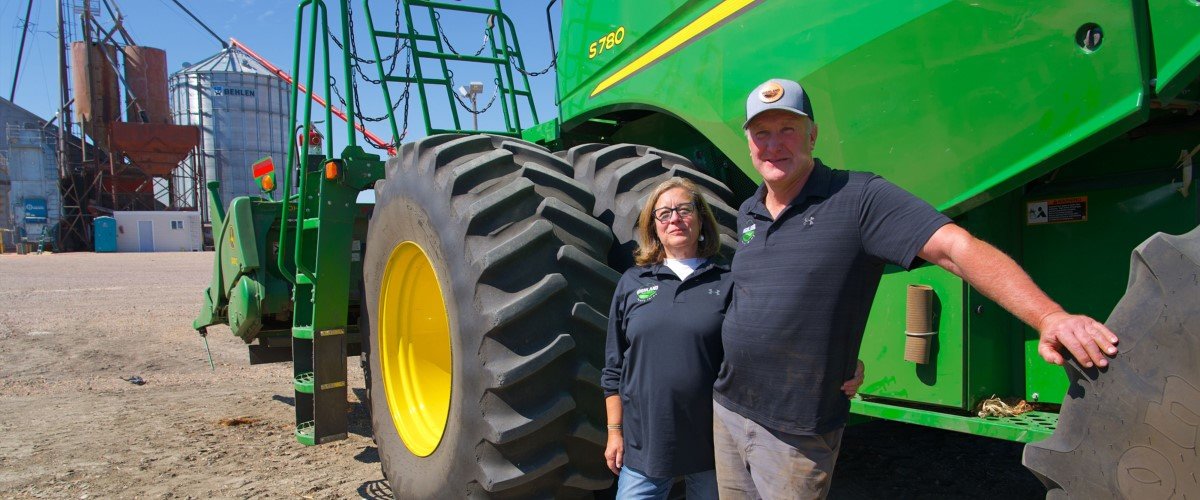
770,92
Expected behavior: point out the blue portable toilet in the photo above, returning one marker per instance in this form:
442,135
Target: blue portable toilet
104,231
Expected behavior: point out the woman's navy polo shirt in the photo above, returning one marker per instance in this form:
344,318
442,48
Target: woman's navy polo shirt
662,356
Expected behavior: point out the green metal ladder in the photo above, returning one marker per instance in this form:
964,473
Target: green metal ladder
320,215
501,57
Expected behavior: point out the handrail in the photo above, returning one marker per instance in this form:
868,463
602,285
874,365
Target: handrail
319,7
293,162
387,96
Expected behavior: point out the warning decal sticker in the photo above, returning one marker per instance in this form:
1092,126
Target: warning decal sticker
1055,211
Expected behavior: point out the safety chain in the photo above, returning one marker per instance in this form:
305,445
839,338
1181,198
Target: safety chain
437,21
404,98
358,112
358,61
399,48
521,70
359,72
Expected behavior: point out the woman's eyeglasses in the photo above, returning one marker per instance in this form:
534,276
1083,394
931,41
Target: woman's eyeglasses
684,210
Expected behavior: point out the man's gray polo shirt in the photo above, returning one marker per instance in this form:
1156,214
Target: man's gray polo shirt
803,286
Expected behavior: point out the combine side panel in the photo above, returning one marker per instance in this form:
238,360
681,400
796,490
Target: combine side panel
1176,45
956,101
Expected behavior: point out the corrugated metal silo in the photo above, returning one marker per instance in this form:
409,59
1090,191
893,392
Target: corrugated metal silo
242,111
146,81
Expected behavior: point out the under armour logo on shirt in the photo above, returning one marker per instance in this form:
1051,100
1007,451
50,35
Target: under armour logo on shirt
714,292
808,221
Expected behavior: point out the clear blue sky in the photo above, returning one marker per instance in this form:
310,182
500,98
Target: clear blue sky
268,26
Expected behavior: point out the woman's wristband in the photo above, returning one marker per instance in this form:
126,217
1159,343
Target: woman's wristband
614,427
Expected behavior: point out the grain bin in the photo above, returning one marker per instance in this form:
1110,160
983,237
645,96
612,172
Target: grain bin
242,111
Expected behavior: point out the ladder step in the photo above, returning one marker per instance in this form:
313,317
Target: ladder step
429,81
302,332
302,279
517,92
306,433
392,34
304,382
460,57
458,7
466,131
311,223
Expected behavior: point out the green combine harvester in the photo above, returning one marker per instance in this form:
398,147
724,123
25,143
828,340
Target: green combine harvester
476,286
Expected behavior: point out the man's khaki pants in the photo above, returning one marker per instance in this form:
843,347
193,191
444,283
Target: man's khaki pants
754,462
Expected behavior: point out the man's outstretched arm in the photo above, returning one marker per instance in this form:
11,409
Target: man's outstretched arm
999,278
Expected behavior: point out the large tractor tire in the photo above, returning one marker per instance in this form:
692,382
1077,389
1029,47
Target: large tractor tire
484,288
621,177
1130,430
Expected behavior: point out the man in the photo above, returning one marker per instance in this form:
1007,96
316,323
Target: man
814,242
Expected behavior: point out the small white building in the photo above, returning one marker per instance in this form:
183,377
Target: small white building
159,232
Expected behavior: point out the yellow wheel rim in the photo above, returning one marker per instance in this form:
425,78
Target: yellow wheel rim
414,348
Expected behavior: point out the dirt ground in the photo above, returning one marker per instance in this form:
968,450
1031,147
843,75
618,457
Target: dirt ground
74,327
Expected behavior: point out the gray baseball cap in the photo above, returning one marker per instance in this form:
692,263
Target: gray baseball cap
777,93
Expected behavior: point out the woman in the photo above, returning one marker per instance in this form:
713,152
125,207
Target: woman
664,349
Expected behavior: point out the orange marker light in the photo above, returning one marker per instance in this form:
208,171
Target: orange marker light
268,183
331,170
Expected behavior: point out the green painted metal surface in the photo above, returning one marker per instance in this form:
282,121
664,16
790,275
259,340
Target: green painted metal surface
246,285
956,101
1131,191
994,358
974,106
322,214
545,133
939,382
1176,43
1025,428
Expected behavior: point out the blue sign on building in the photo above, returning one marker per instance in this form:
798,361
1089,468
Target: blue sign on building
35,210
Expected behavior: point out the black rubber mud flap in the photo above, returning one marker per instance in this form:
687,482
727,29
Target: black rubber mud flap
519,263
1130,430
622,175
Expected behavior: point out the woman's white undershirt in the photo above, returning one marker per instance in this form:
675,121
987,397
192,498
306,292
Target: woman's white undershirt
684,267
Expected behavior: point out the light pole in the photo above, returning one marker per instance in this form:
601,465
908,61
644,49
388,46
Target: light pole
472,91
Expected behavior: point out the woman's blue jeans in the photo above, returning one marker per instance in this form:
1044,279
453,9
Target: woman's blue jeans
632,484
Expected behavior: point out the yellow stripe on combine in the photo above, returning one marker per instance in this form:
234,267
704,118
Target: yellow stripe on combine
711,18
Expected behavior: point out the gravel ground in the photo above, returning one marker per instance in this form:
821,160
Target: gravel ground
74,326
